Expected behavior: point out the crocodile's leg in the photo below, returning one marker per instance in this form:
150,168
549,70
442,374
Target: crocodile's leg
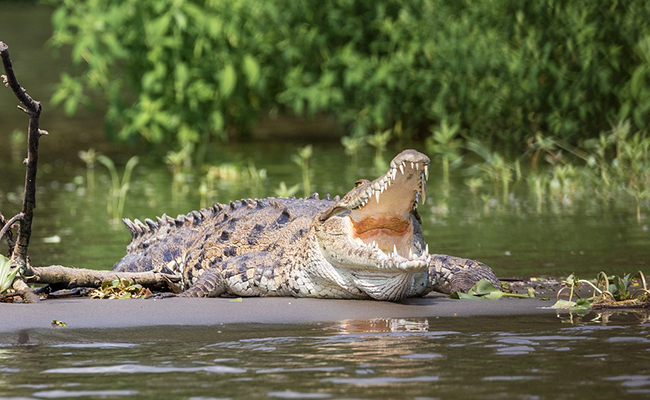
210,284
248,274
449,274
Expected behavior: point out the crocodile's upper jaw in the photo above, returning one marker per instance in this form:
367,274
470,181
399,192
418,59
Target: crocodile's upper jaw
376,220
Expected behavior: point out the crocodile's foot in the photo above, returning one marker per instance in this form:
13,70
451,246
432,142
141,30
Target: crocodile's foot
161,295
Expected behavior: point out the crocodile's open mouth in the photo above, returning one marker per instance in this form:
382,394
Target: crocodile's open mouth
381,214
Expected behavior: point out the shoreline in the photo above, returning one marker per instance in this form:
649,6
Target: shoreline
93,313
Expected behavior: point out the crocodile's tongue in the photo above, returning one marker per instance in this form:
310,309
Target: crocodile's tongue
385,219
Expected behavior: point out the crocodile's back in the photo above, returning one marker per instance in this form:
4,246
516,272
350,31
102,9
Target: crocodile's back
201,240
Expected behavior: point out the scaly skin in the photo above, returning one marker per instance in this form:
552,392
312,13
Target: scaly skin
369,244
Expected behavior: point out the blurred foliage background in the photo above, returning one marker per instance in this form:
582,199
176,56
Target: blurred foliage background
178,73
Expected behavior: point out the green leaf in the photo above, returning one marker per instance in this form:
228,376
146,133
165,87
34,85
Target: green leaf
237,300
228,80
7,276
581,304
563,304
251,69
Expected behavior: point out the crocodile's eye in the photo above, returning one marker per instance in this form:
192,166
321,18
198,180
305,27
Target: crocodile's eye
360,182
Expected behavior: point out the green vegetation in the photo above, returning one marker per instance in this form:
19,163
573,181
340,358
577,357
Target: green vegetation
608,292
89,157
7,275
301,159
119,189
119,289
182,72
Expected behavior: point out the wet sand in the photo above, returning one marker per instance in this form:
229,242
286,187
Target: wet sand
91,313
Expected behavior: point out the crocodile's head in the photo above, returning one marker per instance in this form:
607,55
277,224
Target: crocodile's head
375,228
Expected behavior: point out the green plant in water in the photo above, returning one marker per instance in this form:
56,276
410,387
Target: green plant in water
118,191
445,143
495,166
7,275
89,157
474,184
284,191
608,292
301,159
352,144
179,162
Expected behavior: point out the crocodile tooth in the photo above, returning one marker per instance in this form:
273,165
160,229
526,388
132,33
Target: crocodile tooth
161,220
410,253
395,249
377,196
426,172
417,166
426,250
401,168
424,192
412,165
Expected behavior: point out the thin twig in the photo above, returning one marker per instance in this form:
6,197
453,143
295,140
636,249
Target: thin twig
8,235
6,225
33,109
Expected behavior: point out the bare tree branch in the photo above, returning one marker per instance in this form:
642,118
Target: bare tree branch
33,109
71,277
27,293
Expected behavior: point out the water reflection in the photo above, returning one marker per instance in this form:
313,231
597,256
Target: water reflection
486,357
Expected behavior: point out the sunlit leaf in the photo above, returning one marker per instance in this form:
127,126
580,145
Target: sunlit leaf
563,304
228,79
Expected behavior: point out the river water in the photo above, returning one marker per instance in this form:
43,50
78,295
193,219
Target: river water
525,357
522,357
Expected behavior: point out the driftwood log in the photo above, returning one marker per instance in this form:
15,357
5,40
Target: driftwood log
60,276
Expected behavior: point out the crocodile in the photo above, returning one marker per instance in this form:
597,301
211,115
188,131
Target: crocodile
366,245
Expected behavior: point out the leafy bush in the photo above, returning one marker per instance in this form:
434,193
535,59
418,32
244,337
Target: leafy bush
186,71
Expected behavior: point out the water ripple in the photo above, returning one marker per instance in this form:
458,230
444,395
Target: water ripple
146,369
385,380
97,345
288,394
59,394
